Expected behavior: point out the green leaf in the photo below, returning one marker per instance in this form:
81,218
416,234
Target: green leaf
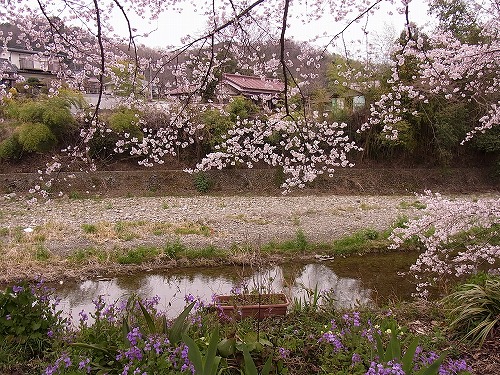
91,347
267,366
434,367
407,360
250,368
227,347
178,327
194,354
149,320
211,352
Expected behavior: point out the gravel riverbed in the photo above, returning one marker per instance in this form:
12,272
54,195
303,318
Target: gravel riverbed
66,225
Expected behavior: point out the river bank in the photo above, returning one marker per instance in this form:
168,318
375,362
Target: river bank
84,238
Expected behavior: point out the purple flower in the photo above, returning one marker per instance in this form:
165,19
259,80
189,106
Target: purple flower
84,364
333,339
134,335
83,316
8,317
50,333
356,358
284,353
17,289
133,353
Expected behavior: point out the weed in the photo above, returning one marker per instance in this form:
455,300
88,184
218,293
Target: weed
123,230
165,205
75,195
194,228
360,241
209,251
173,249
82,255
415,204
367,207
89,228
42,254
202,182
138,255
4,232
298,244
474,309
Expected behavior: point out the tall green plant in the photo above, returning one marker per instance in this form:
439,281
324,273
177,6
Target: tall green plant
204,364
474,310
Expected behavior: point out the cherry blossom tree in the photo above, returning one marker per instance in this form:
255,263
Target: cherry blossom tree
85,38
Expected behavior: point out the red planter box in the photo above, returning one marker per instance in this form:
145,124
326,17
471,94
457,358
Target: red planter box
232,308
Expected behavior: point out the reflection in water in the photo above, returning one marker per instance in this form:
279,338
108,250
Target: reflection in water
372,278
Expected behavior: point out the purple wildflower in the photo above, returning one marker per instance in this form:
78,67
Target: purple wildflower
17,289
134,335
356,358
83,316
284,353
333,339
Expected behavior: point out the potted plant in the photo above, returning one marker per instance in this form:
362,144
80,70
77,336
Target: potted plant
258,306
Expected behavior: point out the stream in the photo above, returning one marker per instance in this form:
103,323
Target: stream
351,281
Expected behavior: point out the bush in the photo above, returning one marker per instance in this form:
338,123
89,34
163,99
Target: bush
10,148
36,137
474,309
202,182
125,120
28,319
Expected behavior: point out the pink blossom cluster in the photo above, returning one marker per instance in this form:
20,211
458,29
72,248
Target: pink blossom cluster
304,150
459,236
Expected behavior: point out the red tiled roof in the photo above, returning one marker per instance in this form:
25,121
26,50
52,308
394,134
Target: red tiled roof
252,83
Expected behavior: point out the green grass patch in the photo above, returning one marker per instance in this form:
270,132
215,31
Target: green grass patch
415,204
87,255
4,232
173,249
194,228
42,254
296,245
138,255
89,228
361,241
207,252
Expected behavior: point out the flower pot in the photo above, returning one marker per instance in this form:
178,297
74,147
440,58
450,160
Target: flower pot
252,305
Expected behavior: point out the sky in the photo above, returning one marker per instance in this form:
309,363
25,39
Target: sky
172,26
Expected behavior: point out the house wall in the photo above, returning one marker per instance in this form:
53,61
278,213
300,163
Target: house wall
31,61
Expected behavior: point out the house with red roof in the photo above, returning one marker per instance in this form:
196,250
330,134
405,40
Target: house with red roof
259,89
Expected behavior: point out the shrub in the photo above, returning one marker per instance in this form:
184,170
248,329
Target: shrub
36,137
54,112
125,120
474,309
202,182
10,148
28,318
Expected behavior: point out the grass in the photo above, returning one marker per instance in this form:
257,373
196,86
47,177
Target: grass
245,219
138,255
88,255
89,228
42,254
361,241
415,204
193,228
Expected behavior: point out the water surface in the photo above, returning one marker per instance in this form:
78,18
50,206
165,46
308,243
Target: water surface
356,280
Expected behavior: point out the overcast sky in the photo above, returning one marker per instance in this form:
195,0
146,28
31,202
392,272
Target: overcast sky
171,27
